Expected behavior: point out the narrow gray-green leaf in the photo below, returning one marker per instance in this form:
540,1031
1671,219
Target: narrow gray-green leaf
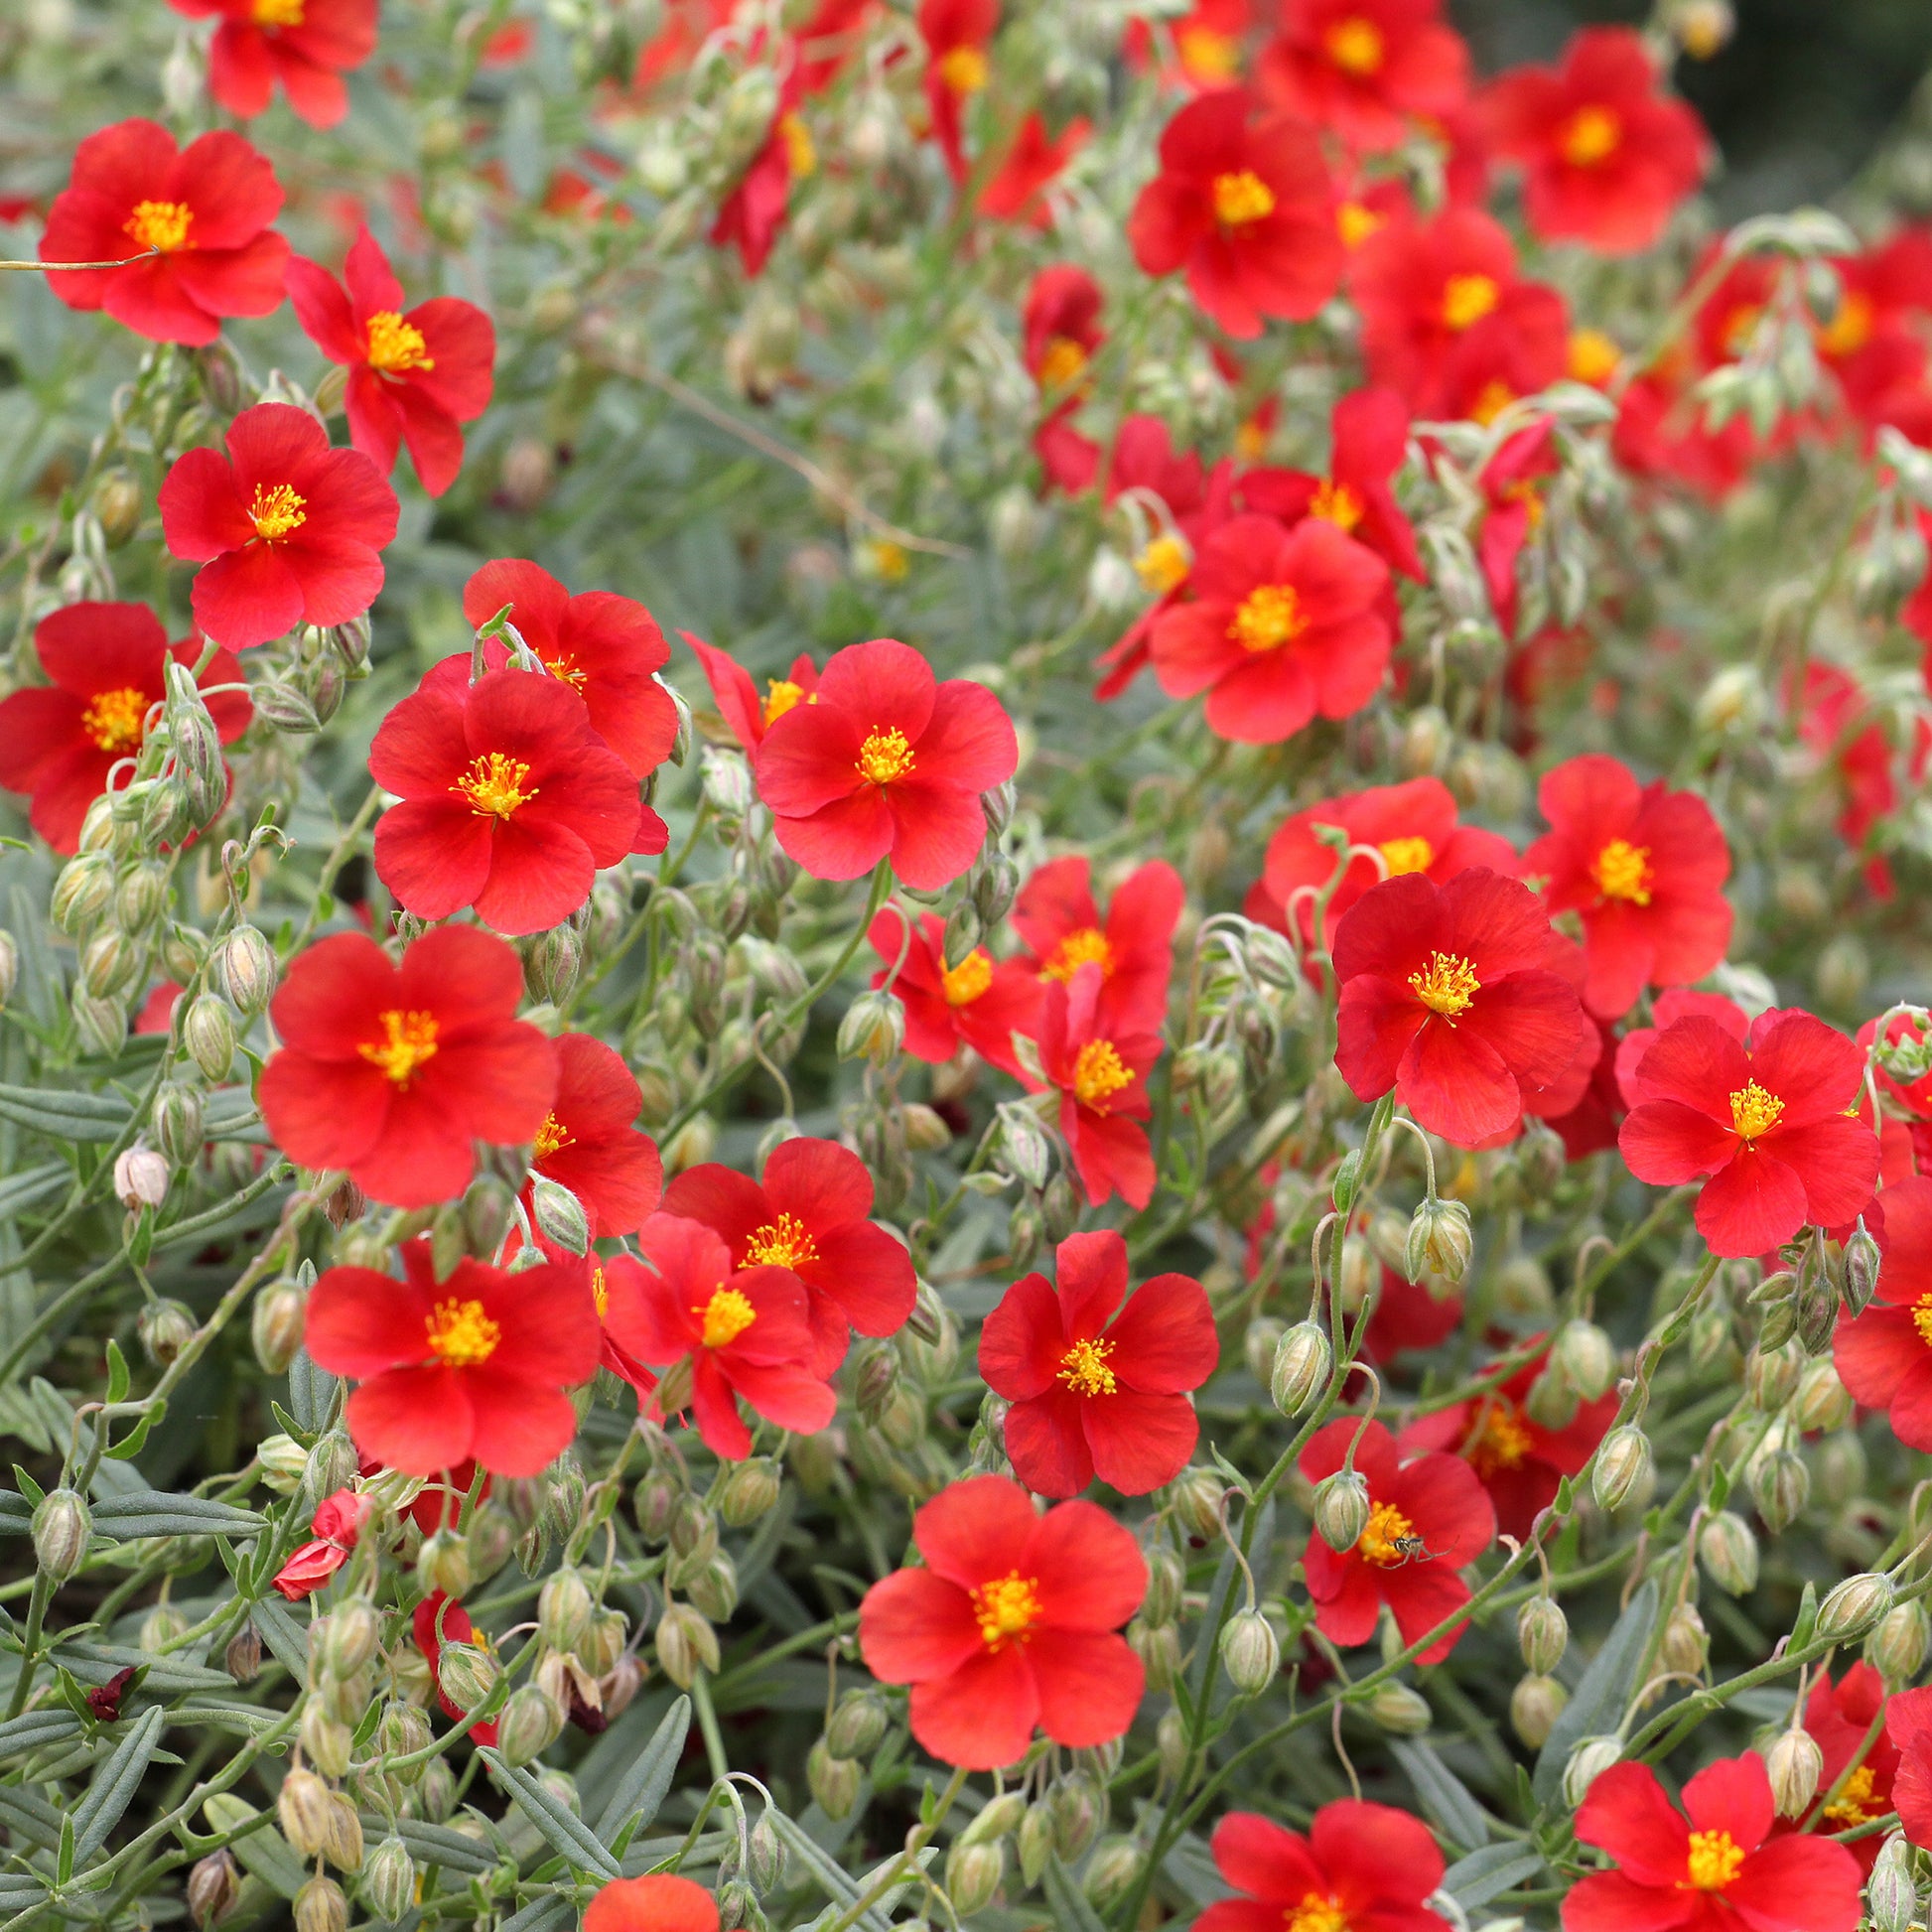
642,1787
1596,1704
114,1784
438,1845
1069,1905
541,1914
262,1850
1489,1873
64,1115
1444,1795
562,1829
152,1512
23,1189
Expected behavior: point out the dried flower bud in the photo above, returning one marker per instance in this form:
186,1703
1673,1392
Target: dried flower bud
1342,1509
1625,1468
1542,1635
1439,1240
1896,1648
1399,1711
321,1907
63,1523
140,1178
1795,1764
166,1328
389,1880
1534,1705
214,1887
245,969
1728,1552
833,1781
243,1659
301,1808
1304,1361
685,1640
1854,1605
1251,1653
1588,1360
1586,1764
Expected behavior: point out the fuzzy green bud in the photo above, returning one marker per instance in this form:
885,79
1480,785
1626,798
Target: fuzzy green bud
389,1880
1251,1653
1586,1764
1342,1509
1534,1705
972,1875
748,1492
1542,1635
246,970
874,1028
321,1907
1794,1764
858,1726
1304,1361
63,1523
1624,1467
208,1032
1852,1608
1399,1711
1896,1648
1079,1810
1728,1552
833,1781
1439,1240
564,1608
1588,1360
301,1808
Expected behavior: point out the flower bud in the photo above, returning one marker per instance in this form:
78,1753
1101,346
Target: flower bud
529,1723
465,1674
443,1563
833,1781
748,1492
1035,1843
1822,1401
1304,1361
552,964
1166,1579
349,1635
560,1216
874,1028
83,891
1439,1240
62,1525
713,1587
858,1725
117,501
1624,1467
1158,1646
1780,1485
1542,1635
1852,1608
685,1641
9,967
564,1608
178,1123
994,1820
1896,1647
1685,1644
1728,1552
214,1887
321,1907
1534,1705
1399,1711
972,1875
1861,1265
343,1844
1342,1509
245,969
140,1178
1586,1764
165,1329
329,1742
1194,1496
1771,1374
1251,1653
1890,1895
1795,1764
208,1032
389,1880
1588,1360
301,1807
276,1325
243,1659
1115,1870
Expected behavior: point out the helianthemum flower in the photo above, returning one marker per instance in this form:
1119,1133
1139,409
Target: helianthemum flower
886,763
415,375
287,529
659,1901
473,1365
1368,70
60,741
1362,1867
1060,333
1766,1121
1643,867
189,226
811,1215
1447,997
1098,1385
510,802
306,45
1102,1081
1055,914
980,1003
1243,203
736,695
439,1619
1718,1867
1885,1356
1859,1766
956,35
589,1142
394,1072
1010,1624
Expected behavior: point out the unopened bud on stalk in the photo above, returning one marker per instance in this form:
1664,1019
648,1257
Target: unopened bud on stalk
1794,1763
552,963
1251,1653
1079,1811
1194,1496
972,1875
63,1523
713,1587
1588,1763
108,963
243,1659
165,1329
1896,1648
858,1726
1728,1552
329,1742
1542,1635
302,1808
994,1820
1115,1870
1167,1579
1259,1340
140,1178
465,1674
1552,1401
874,1028
1304,1361
1342,1509
321,1907
9,967
389,1880
833,1781
685,1640
213,1888
177,1121
531,1722
1781,1486
1158,1646
1534,1705
1034,1842
1624,1467
1854,1605
443,1563
1399,1711
1822,1401
342,1845
1890,1895
1439,1240
560,1216
1587,1360
245,966
1685,1643
749,1489
347,1638
1861,1265
276,1325
83,891
208,1032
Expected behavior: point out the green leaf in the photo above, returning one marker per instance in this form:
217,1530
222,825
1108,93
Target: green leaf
1444,1795
30,1491
114,1784
1597,1704
131,1444
150,1512
35,1728
1487,1874
642,1787
312,1392
561,1830
284,1636
262,1850
31,1184
438,1845
66,1116
832,1879
542,1914
1067,1903
120,1377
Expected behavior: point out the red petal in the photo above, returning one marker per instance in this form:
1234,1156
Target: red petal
914,1626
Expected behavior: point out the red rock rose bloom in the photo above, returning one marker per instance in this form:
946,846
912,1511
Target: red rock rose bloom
395,1071
1244,204
1010,1624
474,1365
1366,68
511,803
1102,1078
1720,1868
415,376
195,218
980,1003
1765,1121
336,1525
1057,918
289,531
60,742
1447,997
1885,1356
886,763
588,1140
1097,1385
306,45
659,1901
1362,1867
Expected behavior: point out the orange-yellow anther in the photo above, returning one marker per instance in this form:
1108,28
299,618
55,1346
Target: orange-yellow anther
1447,984
494,785
1753,1111
1060,362
1355,46
1335,503
1007,1608
551,1135
1388,1529
276,512
725,1316
1716,1858
1268,617
1098,1074
1242,197
160,225
1590,135
780,694
1403,856
1622,871
964,983
396,345
1466,298
113,718
460,1335
408,1039
1083,1368
1163,566
963,69
783,1243
278,13
1085,948
884,757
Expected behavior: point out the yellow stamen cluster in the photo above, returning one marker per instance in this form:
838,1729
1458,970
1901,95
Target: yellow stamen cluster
964,983
1387,1529
1006,1608
276,512
396,345
784,1243
884,757
1922,1318
1446,985
1716,1858
1268,617
780,694
460,1335
278,13
1163,566
802,151
1403,856
1850,328
1242,197
1355,222
1753,1111
1355,46
1502,1439
1098,1074
494,784
160,225
1335,503
1317,1913
1856,1799
963,69
408,1039
1590,135
1592,356
113,718
551,1135
1085,948
1083,1368
1491,400
1622,871
1209,58
725,1316
1060,362
563,668
1466,298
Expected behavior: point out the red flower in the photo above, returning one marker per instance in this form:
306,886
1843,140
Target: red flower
1839,1718
956,34
1833,725
1412,825
811,1215
586,1141
157,1010
885,761
1885,1356
511,803
1766,1121
1872,342
980,1003
1056,917
1284,625
1098,1386
439,1619
1244,204
414,377
290,531
1061,331
1908,1719
1102,1078
1010,1624
1510,482
1607,156
744,1333
606,648
752,215
306,45
61,741
1447,996
1017,191
1517,1461
473,1365
1643,869
1368,70
1426,1519
1207,44
737,697
1720,1868
1447,322
1362,1867
338,1522
395,1071
660,1901
190,226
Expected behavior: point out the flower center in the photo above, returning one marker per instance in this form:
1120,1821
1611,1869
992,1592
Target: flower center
1850,326
884,757
784,1243
1240,197
1098,1073
1590,135
395,345
1403,856
160,225
1207,56
1466,298
408,1039
1753,1111
600,1293
278,13
964,983
1007,1607
1491,400
1316,1912
276,512
563,668
1163,566
780,694
1269,618
1622,871
1857,1797
460,1335
1355,46
1335,503
1063,360
494,784
1715,1860
963,69
801,152
551,1135
1357,221
1084,1370
113,718
1086,947
1447,984
725,1316
1388,1536
1502,1439
1593,357
1922,1317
